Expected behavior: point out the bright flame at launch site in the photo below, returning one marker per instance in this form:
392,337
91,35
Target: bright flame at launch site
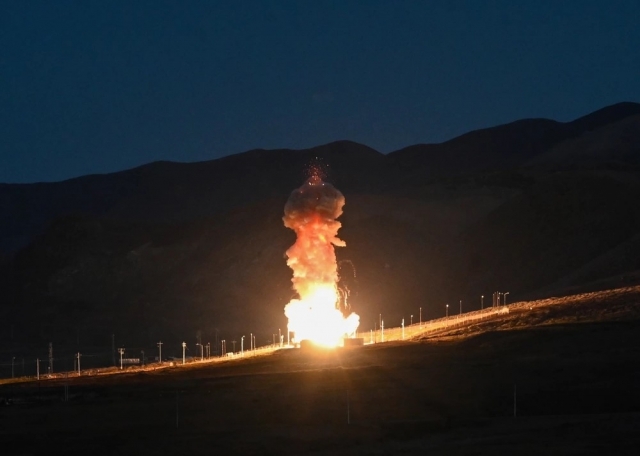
316,316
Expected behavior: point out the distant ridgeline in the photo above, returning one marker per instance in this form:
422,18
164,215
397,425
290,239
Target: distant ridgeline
170,250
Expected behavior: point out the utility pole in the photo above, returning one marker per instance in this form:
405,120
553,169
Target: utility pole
160,352
348,409
177,408
78,355
121,351
50,358
184,347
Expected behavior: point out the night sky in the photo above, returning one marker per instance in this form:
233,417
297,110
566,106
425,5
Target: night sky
101,86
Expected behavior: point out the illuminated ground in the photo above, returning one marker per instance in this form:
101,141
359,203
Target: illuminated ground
575,363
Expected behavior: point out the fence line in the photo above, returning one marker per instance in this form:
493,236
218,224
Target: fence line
395,333
390,334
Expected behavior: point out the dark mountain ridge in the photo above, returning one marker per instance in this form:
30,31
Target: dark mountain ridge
173,192
168,250
502,147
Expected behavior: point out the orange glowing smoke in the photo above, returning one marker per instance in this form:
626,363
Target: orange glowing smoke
311,212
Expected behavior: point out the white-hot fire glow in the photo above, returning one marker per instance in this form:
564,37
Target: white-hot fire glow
311,212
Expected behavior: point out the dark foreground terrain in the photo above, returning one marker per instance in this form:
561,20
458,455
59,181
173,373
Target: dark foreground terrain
573,363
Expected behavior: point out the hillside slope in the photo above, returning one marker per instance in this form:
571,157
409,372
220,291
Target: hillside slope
556,376
173,250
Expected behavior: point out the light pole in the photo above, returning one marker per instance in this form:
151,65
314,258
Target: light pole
160,352
411,321
403,328
234,345
78,355
184,347
447,314
504,302
250,341
421,317
280,337
481,302
461,307
242,346
121,351
223,348
382,330
208,350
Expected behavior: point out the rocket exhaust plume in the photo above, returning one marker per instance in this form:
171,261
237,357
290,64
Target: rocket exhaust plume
311,212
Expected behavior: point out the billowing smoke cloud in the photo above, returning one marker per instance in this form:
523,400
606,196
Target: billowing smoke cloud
311,212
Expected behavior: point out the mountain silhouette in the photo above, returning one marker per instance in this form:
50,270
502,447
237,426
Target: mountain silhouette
168,250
